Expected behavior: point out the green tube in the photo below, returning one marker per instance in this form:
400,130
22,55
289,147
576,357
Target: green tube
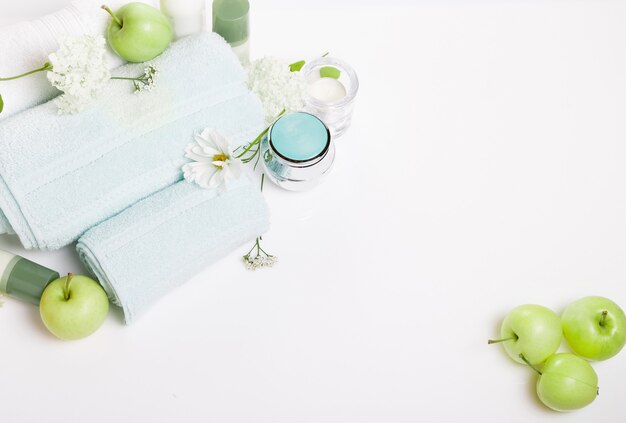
22,278
230,20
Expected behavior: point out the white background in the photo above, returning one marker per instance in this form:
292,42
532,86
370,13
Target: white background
485,169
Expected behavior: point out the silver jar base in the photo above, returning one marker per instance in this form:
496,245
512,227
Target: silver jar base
296,176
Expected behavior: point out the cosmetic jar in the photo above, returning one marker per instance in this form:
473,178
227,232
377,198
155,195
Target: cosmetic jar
22,278
331,91
297,151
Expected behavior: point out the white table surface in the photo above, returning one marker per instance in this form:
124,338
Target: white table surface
485,169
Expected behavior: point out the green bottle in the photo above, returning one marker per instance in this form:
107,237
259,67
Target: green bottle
230,20
22,278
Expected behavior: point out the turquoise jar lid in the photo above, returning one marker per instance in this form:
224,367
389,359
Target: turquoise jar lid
299,137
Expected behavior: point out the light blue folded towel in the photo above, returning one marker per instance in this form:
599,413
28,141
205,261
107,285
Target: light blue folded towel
5,226
61,175
162,241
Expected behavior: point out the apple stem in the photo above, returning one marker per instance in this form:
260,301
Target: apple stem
66,287
496,341
115,18
603,320
525,360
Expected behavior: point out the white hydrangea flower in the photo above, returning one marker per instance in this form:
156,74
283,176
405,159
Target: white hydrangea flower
79,69
276,86
213,161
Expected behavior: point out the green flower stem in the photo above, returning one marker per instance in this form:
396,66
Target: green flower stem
252,144
47,66
260,248
258,158
145,81
256,142
256,245
135,81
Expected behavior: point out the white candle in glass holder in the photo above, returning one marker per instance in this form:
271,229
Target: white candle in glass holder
328,90
332,86
186,16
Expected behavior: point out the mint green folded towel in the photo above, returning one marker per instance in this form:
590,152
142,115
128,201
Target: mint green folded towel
61,175
152,247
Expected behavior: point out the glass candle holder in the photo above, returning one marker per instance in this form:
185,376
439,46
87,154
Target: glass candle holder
297,151
186,16
332,88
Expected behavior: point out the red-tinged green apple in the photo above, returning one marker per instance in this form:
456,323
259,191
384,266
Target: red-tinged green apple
73,307
532,330
138,32
567,382
594,327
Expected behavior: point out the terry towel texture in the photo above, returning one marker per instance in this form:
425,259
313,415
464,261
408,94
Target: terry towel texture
160,242
25,46
61,175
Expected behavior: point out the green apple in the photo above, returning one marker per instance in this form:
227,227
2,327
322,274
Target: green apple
73,307
567,382
594,327
138,32
531,330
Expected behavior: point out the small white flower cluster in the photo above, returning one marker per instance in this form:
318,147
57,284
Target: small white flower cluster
276,86
79,69
147,81
254,263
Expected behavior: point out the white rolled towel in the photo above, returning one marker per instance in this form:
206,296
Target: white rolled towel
25,46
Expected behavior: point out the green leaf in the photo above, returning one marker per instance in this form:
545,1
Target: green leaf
297,66
1,103
330,72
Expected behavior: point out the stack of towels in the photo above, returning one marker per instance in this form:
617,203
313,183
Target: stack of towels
110,177
26,46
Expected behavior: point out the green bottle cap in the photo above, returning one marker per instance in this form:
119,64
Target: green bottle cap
230,20
26,280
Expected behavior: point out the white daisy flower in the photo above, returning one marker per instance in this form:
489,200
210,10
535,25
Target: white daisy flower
213,164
